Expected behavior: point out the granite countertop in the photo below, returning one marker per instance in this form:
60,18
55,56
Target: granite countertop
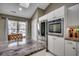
72,39
21,50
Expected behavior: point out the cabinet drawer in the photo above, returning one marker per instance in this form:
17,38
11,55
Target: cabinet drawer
70,48
50,44
73,44
59,12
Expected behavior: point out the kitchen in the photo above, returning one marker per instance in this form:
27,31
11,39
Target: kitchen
40,29
60,30
52,29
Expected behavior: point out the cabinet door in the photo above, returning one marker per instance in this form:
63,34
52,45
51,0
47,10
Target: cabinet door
50,16
50,44
59,46
70,48
59,12
78,48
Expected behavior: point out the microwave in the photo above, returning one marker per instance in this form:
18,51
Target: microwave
56,27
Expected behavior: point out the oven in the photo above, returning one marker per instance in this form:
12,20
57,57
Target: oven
56,27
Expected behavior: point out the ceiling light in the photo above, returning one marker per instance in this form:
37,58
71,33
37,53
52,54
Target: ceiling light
20,9
26,5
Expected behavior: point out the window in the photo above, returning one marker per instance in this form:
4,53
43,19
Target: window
12,27
16,27
19,27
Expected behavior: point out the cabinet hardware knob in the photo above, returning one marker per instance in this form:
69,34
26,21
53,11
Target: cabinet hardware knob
73,48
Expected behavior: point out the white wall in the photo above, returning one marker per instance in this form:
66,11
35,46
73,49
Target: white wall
73,15
2,30
34,29
34,26
34,23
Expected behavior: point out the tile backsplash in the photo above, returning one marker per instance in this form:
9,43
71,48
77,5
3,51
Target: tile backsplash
73,31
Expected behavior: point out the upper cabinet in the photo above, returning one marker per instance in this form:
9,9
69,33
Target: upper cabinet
73,15
43,18
59,12
53,14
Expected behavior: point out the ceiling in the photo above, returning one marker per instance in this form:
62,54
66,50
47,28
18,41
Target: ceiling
13,9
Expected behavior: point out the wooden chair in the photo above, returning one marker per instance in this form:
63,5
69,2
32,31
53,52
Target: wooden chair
15,37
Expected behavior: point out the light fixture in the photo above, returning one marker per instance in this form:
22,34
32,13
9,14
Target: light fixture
20,9
25,5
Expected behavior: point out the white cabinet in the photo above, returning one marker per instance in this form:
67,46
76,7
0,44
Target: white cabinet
78,48
70,48
43,18
59,46
50,16
51,44
56,45
53,14
59,12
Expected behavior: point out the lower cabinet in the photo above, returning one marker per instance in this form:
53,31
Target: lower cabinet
78,48
51,44
70,48
59,46
56,45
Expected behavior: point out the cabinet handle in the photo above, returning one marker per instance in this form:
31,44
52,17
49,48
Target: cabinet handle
73,47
